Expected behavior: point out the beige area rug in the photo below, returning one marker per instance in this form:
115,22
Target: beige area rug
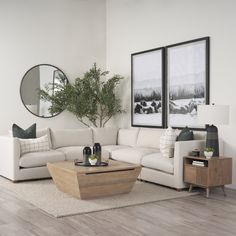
44,195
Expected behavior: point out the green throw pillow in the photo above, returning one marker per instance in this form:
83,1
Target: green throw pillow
18,132
185,135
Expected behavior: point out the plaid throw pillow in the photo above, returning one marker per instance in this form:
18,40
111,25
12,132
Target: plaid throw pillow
34,145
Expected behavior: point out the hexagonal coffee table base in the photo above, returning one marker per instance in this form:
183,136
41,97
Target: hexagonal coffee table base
91,182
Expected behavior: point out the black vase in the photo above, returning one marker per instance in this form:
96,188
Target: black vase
97,150
86,153
212,139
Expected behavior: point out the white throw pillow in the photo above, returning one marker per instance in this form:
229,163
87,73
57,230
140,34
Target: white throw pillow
167,143
34,144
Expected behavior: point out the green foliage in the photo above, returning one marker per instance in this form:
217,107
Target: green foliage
55,93
209,149
93,157
91,98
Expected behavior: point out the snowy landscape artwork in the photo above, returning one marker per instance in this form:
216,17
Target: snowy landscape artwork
187,78
169,83
147,82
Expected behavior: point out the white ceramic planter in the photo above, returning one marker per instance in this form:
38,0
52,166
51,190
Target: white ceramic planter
208,155
93,161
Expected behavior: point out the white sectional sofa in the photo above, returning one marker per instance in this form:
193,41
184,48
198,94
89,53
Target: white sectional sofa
139,146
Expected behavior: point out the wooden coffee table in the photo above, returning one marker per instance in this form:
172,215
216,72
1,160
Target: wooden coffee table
90,182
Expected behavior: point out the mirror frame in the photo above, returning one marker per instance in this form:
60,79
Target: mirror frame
43,64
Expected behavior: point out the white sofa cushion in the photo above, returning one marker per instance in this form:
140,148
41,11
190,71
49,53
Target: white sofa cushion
34,144
72,152
132,155
128,137
76,152
111,148
149,138
105,136
71,137
36,159
158,162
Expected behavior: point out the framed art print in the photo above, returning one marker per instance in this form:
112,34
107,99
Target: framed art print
148,88
187,72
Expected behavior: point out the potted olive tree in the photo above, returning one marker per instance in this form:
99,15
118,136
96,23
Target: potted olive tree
92,98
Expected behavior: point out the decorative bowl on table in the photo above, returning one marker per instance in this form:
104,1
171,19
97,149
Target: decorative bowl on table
208,152
77,162
93,160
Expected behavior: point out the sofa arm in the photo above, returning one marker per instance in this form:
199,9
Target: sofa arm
9,157
183,148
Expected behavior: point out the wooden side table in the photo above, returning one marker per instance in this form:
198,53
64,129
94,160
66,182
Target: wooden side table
216,172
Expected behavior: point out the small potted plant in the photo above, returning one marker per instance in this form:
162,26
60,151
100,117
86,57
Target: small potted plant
208,152
93,160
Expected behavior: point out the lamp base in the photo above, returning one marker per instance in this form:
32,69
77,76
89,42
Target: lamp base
212,139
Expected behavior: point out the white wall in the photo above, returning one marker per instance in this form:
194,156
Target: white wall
136,25
70,34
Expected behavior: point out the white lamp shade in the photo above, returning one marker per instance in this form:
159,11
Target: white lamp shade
213,114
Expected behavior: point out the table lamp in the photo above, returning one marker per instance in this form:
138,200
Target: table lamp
209,115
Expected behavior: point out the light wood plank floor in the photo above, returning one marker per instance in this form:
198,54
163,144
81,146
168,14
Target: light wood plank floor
193,216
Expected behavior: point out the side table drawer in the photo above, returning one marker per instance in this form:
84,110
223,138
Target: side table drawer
190,174
195,175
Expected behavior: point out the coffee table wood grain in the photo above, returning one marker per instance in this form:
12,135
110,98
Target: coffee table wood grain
91,182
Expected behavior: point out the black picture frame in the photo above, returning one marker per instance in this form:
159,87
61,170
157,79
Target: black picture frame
143,115
179,88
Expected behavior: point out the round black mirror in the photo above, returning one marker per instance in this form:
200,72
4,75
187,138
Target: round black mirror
36,79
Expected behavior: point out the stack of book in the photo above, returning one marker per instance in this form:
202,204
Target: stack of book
198,163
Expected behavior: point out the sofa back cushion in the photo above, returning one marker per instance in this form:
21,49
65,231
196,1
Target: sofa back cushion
71,137
105,136
149,138
128,137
